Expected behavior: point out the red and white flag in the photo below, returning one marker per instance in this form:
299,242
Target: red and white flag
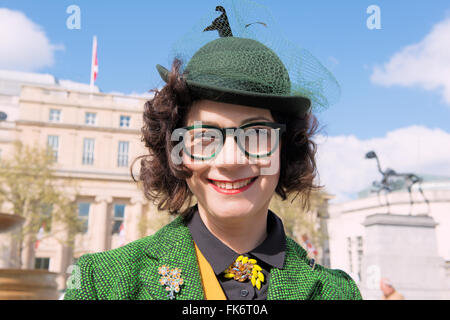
122,235
40,235
94,64
309,246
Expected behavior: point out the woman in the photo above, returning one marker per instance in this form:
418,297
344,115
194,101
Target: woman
230,131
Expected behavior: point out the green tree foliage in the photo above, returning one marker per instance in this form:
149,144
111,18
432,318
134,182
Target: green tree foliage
30,188
297,222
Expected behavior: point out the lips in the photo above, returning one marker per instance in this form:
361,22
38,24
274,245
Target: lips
233,187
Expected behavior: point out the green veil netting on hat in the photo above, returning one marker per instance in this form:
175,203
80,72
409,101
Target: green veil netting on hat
299,74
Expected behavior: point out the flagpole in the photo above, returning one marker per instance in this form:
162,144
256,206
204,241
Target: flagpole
93,63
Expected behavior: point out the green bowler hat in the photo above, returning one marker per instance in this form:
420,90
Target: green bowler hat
241,71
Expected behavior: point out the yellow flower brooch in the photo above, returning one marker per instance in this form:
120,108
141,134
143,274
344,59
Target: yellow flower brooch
243,269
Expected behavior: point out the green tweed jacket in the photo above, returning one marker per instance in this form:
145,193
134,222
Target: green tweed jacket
131,272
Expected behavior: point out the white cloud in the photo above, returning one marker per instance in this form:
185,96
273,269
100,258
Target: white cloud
425,64
24,44
344,171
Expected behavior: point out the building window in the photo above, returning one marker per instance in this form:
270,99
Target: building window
122,154
90,118
54,115
53,145
124,121
88,150
349,248
119,215
83,215
359,252
41,263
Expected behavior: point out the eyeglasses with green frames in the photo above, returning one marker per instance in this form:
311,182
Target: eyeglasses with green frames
256,139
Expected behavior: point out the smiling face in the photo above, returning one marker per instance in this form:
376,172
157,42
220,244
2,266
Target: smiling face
252,187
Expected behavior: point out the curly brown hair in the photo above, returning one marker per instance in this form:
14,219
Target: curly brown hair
164,182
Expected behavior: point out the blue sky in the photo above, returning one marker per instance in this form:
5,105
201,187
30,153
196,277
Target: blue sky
133,36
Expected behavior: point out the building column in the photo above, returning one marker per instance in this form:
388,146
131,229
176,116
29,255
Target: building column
101,221
62,258
133,217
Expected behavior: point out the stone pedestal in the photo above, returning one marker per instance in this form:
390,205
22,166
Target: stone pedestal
16,284
403,249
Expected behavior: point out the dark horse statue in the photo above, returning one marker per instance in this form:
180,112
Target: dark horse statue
390,178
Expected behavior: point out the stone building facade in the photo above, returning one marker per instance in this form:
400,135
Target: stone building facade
95,137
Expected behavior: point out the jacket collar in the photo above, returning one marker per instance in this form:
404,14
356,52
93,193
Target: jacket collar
271,250
173,246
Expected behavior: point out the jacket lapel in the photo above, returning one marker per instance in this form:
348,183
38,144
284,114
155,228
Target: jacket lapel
296,281
173,247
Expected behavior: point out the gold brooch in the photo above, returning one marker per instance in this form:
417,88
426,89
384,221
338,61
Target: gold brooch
171,278
243,269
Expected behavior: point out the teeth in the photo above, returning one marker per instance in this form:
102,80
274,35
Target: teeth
235,185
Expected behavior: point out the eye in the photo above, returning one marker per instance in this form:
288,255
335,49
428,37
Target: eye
257,130
204,135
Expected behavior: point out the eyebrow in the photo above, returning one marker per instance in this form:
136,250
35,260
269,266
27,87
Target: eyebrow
212,123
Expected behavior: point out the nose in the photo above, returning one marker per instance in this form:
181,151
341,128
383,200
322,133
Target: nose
230,154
